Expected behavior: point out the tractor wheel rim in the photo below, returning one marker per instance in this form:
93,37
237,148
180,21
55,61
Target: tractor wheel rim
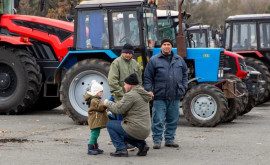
80,84
8,80
203,107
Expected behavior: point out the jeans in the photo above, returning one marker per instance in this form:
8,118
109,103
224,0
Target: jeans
168,111
119,136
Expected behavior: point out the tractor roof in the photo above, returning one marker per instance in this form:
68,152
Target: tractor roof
165,13
107,3
197,27
246,17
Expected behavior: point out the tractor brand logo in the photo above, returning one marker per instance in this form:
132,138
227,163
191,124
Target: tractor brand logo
206,55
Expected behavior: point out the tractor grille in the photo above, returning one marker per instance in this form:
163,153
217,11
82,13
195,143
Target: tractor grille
221,59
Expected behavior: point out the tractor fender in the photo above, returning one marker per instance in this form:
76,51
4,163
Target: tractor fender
256,53
73,57
15,40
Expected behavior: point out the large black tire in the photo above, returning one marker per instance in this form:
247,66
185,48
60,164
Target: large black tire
251,104
254,64
204,105
77,81
20,80
242,101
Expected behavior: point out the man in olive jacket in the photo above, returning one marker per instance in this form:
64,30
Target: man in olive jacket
121,68
136,124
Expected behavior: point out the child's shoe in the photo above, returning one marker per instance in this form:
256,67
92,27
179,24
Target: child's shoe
91,150
97,149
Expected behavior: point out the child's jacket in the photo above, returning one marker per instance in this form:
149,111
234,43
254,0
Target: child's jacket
97,115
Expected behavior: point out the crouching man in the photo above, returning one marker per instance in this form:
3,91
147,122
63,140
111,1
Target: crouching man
136,124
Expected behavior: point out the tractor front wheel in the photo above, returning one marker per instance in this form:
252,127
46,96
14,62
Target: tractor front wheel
204,105
77,81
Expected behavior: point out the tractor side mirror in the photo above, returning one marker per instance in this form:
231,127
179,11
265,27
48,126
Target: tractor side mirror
70,18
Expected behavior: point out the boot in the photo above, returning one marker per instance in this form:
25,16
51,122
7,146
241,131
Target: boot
143,150
97,149
91,150
120,153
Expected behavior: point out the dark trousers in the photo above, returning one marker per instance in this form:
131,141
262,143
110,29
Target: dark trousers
119,136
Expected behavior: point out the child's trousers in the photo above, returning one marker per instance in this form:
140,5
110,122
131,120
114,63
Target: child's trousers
94,136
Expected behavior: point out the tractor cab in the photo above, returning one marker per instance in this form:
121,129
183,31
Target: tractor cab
248,33
110,24
203,36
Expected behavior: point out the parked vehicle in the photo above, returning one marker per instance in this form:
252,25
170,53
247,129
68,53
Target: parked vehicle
168,26
31,48
248,35
235,67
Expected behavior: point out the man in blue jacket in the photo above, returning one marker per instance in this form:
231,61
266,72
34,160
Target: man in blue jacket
166,79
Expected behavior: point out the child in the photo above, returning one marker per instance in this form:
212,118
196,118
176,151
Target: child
97,116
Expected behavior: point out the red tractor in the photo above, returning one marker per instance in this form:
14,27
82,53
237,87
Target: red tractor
249,36
31,48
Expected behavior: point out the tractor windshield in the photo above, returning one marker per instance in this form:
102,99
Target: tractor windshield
92,30
125,28
244,36
165,29
6,6
264,35
198,40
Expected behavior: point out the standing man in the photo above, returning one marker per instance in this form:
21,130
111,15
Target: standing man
136,124
166,79
121,68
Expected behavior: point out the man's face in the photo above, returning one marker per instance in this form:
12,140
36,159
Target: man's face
127,87
127,56
166,48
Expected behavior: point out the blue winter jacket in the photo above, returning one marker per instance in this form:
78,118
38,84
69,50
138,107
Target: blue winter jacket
166,80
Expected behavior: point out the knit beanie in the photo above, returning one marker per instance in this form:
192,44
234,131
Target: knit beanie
95,88
132,79
128,48
166,40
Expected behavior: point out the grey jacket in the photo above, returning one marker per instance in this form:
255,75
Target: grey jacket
134,106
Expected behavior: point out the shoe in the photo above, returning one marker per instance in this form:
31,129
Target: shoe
171,144
156,145
120,153
130,147
91,150
97,149
143,150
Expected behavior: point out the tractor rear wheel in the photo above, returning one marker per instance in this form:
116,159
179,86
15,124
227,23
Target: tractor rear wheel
20,80
254,64
77,81
204,105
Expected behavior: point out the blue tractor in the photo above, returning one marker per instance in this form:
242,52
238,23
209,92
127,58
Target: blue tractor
206,68
102,27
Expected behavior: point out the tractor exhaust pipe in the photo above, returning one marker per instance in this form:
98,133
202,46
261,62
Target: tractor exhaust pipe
180,38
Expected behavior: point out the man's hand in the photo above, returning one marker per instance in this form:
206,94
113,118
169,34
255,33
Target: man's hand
105,101
151,93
